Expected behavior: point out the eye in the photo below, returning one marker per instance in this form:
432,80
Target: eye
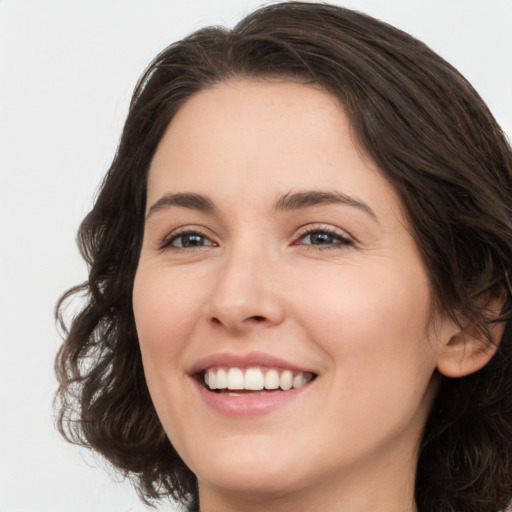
324,238
186,240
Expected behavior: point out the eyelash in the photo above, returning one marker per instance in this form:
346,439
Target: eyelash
167,242
339,239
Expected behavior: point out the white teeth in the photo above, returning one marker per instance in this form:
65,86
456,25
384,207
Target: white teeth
235,378
298,381
271,379
286,380
254,379
222,379
212,380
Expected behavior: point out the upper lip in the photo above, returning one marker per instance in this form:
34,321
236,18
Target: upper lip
251,359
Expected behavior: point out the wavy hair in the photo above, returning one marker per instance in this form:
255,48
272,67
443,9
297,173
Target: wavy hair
436,142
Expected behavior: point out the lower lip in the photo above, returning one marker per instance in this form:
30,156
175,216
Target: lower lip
248,405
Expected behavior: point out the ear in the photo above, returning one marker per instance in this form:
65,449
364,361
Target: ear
469,350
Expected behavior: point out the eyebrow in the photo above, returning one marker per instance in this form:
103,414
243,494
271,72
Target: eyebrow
287,202
185,200
310,198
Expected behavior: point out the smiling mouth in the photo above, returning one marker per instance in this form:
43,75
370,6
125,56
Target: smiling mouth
235,381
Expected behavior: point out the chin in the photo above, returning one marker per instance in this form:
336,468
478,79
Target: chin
262,481
258,472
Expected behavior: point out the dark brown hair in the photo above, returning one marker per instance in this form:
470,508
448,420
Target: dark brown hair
435,141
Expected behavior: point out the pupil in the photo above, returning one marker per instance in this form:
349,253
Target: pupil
322,238
192,240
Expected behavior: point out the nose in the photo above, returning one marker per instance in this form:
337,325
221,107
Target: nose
247,292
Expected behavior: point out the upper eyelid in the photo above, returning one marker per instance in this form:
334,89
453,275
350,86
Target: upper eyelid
313,228
165,241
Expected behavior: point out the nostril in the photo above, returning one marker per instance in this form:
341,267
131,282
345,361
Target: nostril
235,319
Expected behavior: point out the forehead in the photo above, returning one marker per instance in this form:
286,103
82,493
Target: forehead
260,139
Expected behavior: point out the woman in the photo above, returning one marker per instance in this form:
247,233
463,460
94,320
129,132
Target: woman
299,277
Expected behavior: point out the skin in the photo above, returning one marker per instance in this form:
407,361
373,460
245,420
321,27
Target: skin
356,309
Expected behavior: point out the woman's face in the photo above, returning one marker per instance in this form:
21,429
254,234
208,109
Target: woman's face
275,254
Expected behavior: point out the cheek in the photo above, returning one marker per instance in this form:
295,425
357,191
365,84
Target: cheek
166,314
165,311
371,320
375,332
165,319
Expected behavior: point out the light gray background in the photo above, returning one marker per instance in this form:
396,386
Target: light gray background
67,69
